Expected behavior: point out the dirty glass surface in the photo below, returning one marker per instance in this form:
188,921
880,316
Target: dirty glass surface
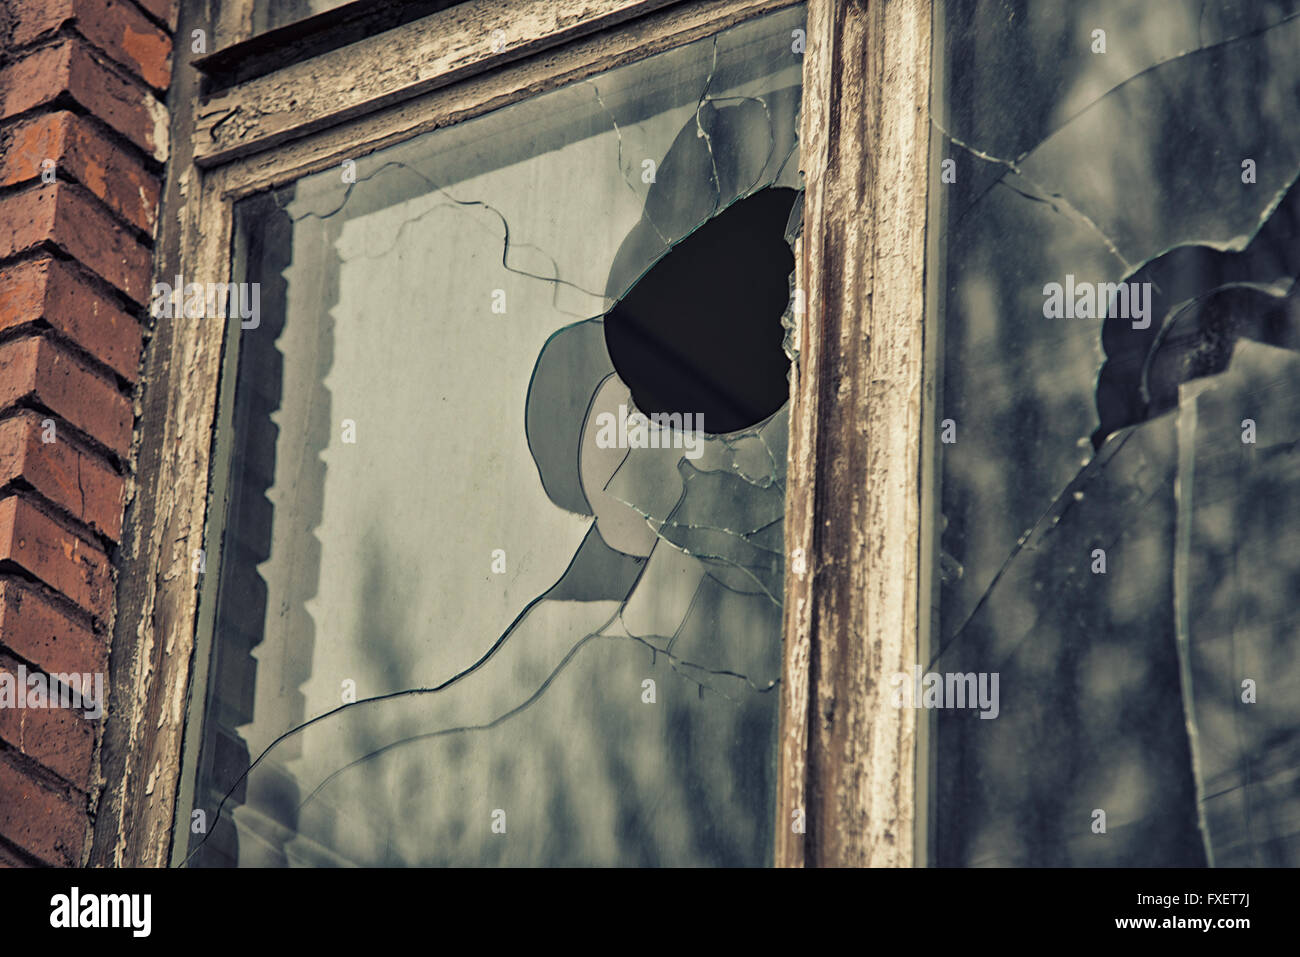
468,613
267,16
263,15
241,20
1119,473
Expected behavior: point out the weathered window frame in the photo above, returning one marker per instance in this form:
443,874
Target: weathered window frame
853,494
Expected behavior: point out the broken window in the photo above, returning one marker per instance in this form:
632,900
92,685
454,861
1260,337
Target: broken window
1119,244
501,562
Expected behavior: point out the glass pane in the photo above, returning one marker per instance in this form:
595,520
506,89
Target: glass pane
267,16
1117,434
560,624
253,17
300,29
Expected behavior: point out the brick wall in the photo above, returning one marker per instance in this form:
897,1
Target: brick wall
83,128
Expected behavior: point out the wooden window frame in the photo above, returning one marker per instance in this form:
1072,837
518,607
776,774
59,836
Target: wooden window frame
853,529
853,500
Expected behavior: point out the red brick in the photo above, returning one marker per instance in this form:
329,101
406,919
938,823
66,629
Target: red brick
164,10
64,215
79,150
116,27
79,482
64,561
52,290
70,67
37,371
59,739
38,819
32,627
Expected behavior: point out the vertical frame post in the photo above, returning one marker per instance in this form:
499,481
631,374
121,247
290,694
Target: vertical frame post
847,759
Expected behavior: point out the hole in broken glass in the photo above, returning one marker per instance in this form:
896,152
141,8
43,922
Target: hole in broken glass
1204,300
700,333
